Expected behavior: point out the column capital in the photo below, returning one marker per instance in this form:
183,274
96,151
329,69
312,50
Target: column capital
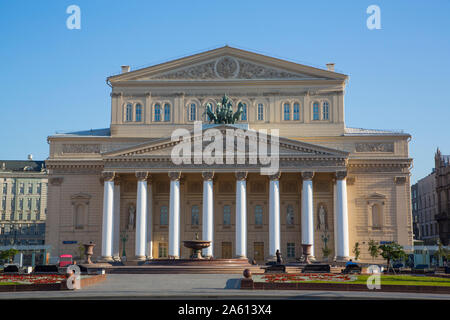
117,180
340,175
307,175
241,175
208,175
275,176
108,175
175,175
141,175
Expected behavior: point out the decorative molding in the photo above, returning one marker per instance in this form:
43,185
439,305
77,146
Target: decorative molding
374,147
307,175
208,175
174,175
80,198
341,175
400,180
81,148
57,181
241,175
351,181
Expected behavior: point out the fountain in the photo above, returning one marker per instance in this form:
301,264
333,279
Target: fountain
196,245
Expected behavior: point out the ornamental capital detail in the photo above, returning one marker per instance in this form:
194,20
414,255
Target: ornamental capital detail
56,181
241,175
141,175
275,176
341,175
108,175
400,180
175,175
307,175
208,175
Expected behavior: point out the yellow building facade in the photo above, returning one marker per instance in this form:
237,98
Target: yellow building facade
334,185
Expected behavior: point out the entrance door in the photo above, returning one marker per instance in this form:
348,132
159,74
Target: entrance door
258,249
226,250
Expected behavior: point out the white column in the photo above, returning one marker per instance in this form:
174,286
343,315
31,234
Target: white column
241,215
174,215
335,219
141,216
116,220
342,216
149,247
107,226
274,215
207,213
307,210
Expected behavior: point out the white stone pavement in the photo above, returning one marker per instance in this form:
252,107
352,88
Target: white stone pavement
196,286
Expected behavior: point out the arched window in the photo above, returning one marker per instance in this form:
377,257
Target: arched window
157,112
258,215
260,111
163,216
287,111
244,112
129,112
325,111
226,215
195,215
289,215
296,111
376,216
192,112
138,112
166,112
316,114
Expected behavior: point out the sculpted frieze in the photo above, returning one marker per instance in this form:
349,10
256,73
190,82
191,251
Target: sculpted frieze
81,148
374,147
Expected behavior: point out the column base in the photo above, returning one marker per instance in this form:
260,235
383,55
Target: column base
139,258
342,259
105,259
240,257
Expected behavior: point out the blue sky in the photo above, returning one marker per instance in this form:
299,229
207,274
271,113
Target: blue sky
53,78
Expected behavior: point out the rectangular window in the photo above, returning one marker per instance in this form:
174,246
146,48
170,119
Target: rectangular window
244,112
316,111
227,215
290,250
21,188
325,111
287,111
163,216
30,188
157,112
4,203
258,215
138,113
167,112
296,111
5,188
192,112
260,112
195,215
38,188
129,113
38,204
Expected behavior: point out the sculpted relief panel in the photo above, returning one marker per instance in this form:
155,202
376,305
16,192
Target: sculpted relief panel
229,68
374,147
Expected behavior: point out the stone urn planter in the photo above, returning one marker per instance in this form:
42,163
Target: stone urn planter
89,251
306,253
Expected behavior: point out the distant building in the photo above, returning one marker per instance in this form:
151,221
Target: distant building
442,163
424,210
23,202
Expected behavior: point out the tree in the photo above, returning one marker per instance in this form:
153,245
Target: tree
441,252
392,251
8,254
374,250
356,250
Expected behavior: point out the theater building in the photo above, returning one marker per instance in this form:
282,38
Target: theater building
334,185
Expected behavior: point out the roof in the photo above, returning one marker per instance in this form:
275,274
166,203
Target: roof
105,132
361,132
21,165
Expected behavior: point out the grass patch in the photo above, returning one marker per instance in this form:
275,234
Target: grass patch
8,283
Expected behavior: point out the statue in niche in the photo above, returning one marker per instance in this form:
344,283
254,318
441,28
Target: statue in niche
131,216
322,214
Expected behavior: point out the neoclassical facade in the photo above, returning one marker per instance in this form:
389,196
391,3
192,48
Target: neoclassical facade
334,185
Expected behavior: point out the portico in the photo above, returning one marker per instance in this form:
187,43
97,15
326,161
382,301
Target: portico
191,189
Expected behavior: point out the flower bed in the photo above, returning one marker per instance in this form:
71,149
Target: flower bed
32,278
294,278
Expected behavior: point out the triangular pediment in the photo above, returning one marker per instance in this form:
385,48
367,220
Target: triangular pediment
162,148
227,64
